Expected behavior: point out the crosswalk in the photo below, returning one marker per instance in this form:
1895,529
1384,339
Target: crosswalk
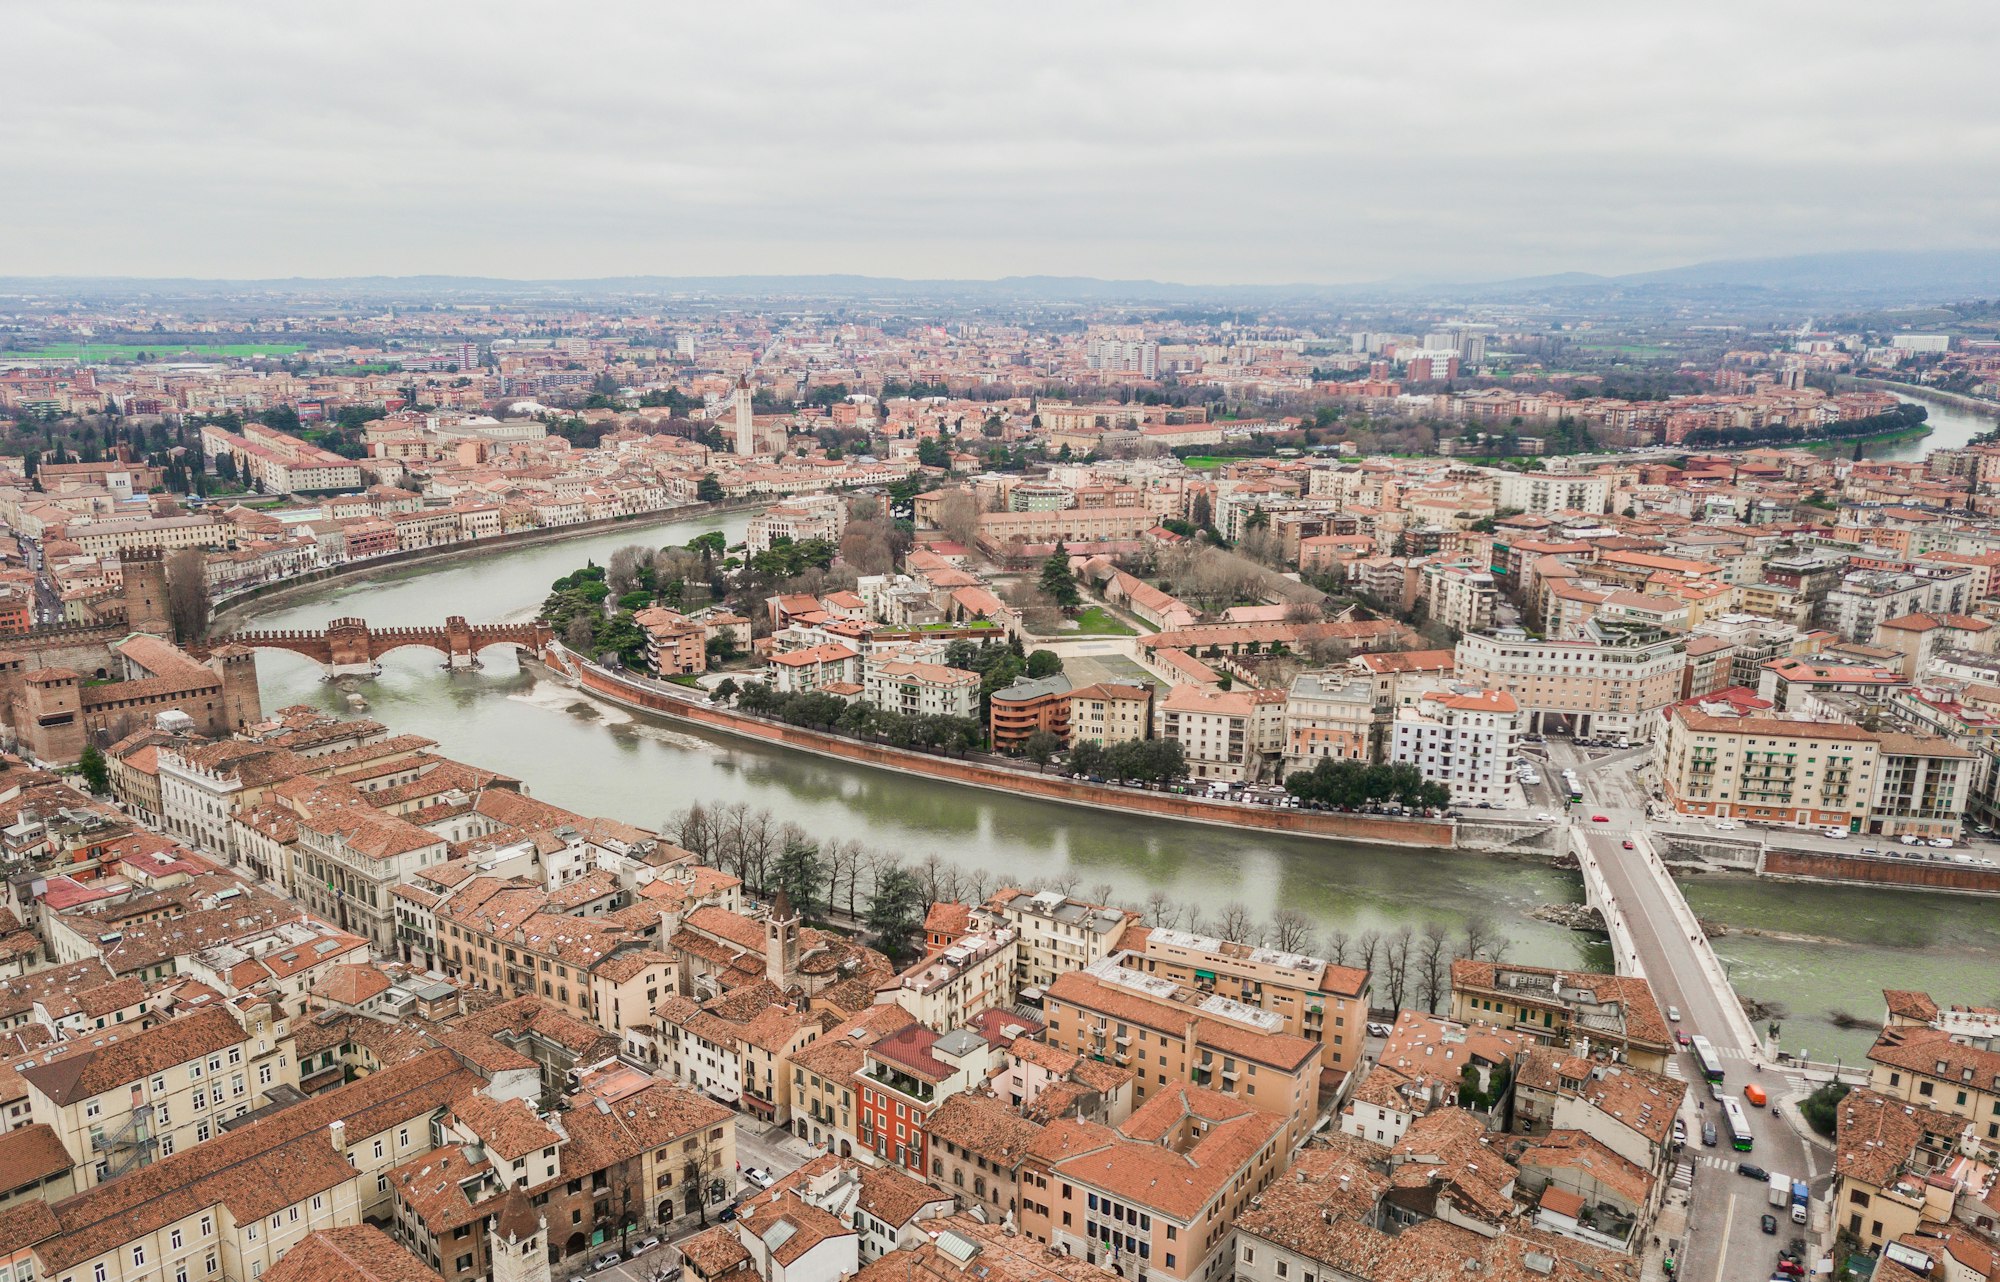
1713,1162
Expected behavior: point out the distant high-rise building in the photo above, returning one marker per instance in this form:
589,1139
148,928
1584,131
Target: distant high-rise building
746,427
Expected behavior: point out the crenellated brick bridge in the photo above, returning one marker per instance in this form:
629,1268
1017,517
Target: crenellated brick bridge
350,645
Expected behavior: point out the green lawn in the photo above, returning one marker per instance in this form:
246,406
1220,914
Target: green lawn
1205,462
156,351
1097,621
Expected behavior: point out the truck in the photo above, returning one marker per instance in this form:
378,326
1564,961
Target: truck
1800,1211
1781,1190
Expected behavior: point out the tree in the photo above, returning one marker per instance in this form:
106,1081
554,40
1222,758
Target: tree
187,594
896,912
1821,1109
1044,663
724,691
708,489
1434,964
95,770
1058,581
1041,747
799,872
1291,931
580,636
958,516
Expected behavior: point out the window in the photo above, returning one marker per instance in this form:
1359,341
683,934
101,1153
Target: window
378,1148
174,1239
139,1255
207,1226
319,1202
91,1109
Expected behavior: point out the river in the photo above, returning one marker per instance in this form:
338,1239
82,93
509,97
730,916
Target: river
1952,426
601,760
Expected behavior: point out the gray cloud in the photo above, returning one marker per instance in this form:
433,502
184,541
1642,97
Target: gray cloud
1198,142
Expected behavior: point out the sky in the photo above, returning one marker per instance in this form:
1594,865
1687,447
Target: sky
1208,143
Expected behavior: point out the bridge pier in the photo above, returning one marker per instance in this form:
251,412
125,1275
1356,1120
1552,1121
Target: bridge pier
334,671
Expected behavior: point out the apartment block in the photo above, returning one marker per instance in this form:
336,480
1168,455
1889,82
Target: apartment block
1614,680
1462,738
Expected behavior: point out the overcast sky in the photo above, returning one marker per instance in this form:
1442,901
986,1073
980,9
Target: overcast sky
1209,143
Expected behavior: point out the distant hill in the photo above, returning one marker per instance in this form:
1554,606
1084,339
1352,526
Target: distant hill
1897,276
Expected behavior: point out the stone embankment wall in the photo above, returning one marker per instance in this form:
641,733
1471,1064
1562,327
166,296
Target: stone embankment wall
647,697
1731,854
1915,874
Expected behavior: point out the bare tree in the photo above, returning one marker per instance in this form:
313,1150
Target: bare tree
958,516
930,872
1434,964
1065,882
187,594
1291,931
1479,936
1161,910
1337,945
1366,948
621,575
1235,924
979,882
1101,892
1396,962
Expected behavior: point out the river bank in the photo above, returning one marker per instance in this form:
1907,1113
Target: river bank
658,699
267,595
1914,391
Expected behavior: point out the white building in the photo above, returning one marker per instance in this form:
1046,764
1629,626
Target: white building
1551,492
810,516
921,689
1464,739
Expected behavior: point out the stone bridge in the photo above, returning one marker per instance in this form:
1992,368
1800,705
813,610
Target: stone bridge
351,646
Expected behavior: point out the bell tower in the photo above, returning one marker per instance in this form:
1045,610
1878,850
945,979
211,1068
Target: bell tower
519,1244
781,941
746,421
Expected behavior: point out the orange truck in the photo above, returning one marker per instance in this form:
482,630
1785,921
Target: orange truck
1755,1094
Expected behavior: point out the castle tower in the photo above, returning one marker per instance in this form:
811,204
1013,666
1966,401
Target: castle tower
746,427
146,592
519,1244
52,721
241,702
781,942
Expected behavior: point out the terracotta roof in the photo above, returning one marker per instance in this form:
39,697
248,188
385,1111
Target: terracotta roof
358,1253
111,1061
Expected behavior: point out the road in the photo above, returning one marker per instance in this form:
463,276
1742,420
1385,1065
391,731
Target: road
758,1145
1725,1241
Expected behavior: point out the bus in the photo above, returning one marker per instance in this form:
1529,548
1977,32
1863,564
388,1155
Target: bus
1739,1130
1704,1055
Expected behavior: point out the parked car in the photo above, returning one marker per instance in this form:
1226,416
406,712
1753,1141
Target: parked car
1942,843
1680,1132
1380,1030
605,1261
1674,1014
645,1244
1870,850
1770,1223
757,1175
1790,1268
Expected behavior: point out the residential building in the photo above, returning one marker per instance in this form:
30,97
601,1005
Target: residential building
1465,739
1057,934
1894,1167
918,689
1613,681
903,1078
1109,712
1159,1194
1315,998
1168,1033
1331,715
1030,706
1564,1007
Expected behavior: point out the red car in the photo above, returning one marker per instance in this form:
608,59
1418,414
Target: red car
1682,1037
1629,845
1599,819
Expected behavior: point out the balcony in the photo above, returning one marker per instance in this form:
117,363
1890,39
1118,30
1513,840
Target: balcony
903,1084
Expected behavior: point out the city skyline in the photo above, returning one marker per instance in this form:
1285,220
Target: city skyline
1191,146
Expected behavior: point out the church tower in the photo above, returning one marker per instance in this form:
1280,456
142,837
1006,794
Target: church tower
781,941
519,1244
746,425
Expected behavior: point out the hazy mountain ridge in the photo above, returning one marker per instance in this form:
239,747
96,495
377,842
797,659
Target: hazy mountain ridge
1913,276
